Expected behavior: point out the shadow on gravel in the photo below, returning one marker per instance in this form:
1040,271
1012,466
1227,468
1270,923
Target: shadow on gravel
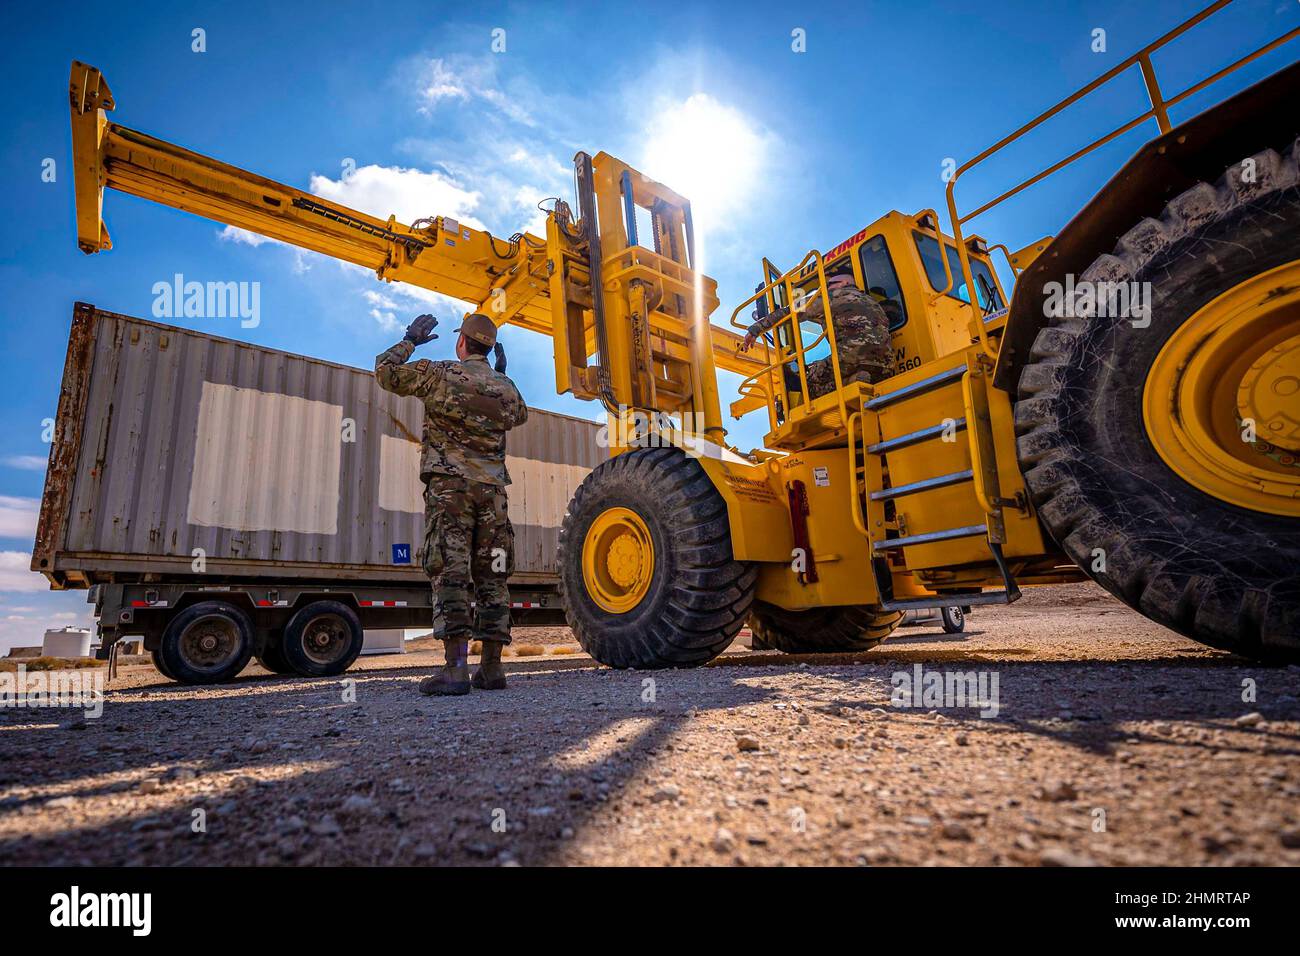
289,772
1084,703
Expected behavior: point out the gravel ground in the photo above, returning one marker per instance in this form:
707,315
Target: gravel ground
1115,742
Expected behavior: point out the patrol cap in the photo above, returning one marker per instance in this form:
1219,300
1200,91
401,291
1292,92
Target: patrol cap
480,328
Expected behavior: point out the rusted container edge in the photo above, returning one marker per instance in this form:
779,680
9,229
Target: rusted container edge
65,443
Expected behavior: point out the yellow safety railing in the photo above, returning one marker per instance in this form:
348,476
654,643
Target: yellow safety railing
1159,111
756,383
855,492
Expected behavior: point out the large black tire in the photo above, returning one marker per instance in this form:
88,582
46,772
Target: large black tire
322,639
206,643
954,620
821,630
1223,575
159,664
272,655
698,596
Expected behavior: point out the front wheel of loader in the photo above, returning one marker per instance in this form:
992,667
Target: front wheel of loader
821,630
1163,449
647,574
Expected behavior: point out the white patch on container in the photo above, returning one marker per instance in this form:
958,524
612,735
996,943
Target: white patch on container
400,488
539,491
265,462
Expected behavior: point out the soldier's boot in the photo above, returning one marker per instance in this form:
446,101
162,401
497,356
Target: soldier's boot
453,679
490,674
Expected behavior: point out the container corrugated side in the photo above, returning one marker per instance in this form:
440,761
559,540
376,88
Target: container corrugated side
265,462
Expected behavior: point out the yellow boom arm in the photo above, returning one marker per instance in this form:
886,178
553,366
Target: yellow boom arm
646,320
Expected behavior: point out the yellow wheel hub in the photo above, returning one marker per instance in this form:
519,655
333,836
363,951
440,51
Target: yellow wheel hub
1270,395
618,560
1222,402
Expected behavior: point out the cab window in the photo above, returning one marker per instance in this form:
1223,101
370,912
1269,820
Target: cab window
928,247
881,280
810,331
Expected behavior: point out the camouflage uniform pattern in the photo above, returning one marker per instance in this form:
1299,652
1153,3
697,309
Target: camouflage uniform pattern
468,541
861,338
469,549
468,408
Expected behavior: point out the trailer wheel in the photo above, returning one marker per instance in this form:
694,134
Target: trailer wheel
206,643
647,575
821,630
159,664
954,620
322,639
1164,458
272,655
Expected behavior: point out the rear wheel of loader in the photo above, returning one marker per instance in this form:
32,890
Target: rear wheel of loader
647,574
821,630
1165,458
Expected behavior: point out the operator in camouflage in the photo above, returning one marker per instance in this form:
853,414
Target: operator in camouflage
468,541
861,335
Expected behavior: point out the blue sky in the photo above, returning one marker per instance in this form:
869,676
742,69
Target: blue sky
799,150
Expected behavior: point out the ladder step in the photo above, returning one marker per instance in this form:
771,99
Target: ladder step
913,438
889,544
948,600
926,484
917,388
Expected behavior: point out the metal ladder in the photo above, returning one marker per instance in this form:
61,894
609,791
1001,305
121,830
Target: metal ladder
870,472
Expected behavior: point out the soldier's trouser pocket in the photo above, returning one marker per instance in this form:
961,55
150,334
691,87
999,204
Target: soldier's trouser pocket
497,558
435,517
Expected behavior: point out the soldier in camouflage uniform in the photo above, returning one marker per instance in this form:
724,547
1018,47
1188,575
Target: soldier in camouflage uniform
861,336
468,540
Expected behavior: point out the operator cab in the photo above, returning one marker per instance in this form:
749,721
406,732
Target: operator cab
897,260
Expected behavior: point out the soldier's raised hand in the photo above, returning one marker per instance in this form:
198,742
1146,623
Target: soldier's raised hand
421,330
500,355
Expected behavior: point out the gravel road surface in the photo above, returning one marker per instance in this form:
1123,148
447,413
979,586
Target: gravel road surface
1091,737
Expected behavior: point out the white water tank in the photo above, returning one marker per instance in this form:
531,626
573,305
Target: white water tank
384,640
66,642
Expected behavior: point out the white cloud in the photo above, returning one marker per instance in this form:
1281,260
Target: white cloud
440,83
18,517
383,311
440,80
16,574
245,238
539,165
27,462
409,194
398,304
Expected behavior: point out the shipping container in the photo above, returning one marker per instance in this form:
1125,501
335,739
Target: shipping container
184,463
